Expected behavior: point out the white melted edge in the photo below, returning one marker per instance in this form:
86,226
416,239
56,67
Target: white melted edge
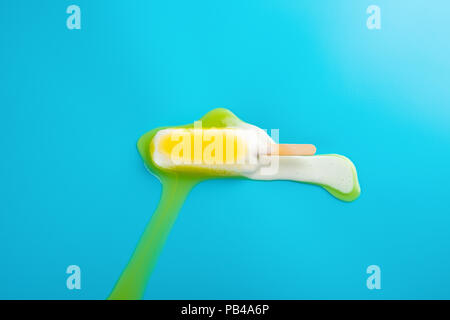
333,171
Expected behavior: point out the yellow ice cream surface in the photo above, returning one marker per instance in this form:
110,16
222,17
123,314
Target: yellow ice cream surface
203,146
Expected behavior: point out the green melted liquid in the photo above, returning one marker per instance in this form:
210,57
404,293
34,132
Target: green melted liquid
175,188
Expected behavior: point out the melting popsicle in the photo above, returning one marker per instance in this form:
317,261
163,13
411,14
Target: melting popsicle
220,146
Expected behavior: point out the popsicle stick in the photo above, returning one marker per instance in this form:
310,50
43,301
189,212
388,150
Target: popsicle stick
294,150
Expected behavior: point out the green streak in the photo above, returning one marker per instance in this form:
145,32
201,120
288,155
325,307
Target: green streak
133,281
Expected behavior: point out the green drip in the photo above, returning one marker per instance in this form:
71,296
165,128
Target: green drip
134,278
175,188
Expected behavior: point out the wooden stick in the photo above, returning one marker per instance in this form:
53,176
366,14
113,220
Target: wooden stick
294,150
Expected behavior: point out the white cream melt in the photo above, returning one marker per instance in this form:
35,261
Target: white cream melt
334,171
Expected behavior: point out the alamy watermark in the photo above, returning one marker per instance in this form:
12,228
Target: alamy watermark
374,280
74,20
74,280
220,147
374,20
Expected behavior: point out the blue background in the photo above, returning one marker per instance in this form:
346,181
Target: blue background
73,103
